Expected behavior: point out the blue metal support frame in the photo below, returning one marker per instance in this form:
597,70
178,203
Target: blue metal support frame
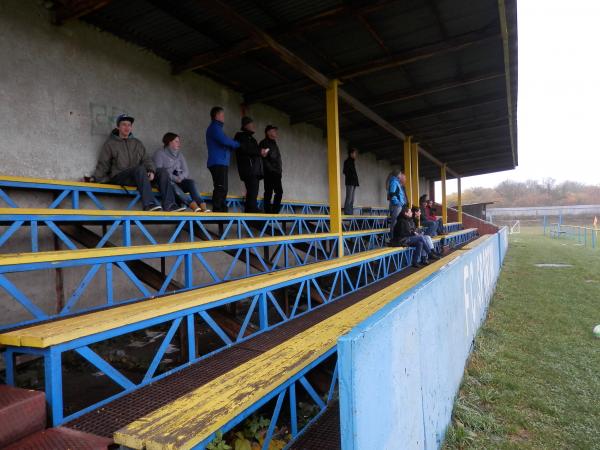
288,388
347,279
188,226
194,261
74,191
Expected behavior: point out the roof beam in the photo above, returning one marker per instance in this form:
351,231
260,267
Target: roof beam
465,131
388,62
298,64
433,112
407,94
65,10
249,45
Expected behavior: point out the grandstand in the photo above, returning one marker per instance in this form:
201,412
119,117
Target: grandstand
169,330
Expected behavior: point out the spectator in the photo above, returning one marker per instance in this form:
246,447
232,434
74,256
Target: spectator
396,196
123,160
430,226
405,235
351,180
219,154
432,253
272,171
249,163
171,158
430,215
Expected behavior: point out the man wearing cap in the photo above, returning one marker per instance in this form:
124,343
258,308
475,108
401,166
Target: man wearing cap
219,155
272,171
123,160
249,163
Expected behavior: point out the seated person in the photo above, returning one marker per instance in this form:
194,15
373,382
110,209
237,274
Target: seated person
428,241
405,235
430,215
123,160
171,158
431,227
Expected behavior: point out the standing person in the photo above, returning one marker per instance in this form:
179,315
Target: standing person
171,158
123,160
249,162
351,180
219,155
273,170
396,197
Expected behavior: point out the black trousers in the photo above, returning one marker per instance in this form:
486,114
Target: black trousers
252,185
138,176
273,184
220,187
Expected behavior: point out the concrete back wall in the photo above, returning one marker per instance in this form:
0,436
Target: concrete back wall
62,87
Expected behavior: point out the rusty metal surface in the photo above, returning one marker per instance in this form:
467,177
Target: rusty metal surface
61,439
324,434
22,412
109,418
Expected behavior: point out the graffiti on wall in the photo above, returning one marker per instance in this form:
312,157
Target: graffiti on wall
103,117
479,280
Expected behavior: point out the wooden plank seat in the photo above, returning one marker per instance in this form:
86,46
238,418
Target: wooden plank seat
192,420
74,191
125,226
327,280
452,226
184,266
476,242
455,238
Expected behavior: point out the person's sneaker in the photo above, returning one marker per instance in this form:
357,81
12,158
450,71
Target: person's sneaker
433,256
153,208
177,208
416,265
424,263
194,207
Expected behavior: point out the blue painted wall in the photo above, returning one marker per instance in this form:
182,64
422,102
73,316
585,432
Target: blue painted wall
400,369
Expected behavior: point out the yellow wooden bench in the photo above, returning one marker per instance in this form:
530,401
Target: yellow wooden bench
477,242
58,256
195,416
64,330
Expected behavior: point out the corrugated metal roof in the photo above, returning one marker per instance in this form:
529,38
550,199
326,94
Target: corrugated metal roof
453,83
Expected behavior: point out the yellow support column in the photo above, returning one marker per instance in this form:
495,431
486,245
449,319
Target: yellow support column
459,201
333,163
415,173
407,169
444,205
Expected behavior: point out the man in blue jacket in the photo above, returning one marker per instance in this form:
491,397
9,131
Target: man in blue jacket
219,154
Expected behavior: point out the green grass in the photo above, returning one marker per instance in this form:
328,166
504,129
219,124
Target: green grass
533,381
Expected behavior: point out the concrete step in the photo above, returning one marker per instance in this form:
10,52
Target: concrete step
22,412
61,439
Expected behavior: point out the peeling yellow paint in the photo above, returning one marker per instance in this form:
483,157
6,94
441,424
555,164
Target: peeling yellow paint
45,335
193,417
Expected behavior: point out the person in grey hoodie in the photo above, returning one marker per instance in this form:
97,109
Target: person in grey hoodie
172,160
123,160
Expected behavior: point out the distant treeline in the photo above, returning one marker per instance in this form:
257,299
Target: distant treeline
531,193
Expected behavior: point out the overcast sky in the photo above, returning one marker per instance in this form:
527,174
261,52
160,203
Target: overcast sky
559,93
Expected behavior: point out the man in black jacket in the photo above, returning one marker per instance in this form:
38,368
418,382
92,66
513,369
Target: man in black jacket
272,171
351,180
249,162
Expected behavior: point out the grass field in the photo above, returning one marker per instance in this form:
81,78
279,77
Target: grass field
533,381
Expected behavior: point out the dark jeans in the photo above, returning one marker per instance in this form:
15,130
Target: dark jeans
220,187
187,185
138,176
440,226
419,245
252,186
273,184
431,227
349,203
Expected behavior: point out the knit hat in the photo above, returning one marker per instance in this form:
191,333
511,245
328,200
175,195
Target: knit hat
245,121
